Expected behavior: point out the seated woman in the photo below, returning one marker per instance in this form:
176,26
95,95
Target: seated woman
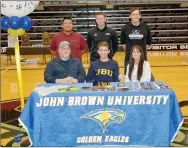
138,69
65,68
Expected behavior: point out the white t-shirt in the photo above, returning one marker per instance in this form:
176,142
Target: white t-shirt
146,76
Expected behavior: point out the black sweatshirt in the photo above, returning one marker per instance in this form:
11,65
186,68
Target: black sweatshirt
135,35
95,35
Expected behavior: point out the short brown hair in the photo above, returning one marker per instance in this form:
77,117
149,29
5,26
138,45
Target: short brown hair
133,9
100,13
103,43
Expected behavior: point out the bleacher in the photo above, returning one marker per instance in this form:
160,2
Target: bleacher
168,22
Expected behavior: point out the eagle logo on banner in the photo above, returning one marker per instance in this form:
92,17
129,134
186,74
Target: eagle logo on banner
105,117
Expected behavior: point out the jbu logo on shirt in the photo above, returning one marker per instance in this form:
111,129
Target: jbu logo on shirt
104,72
136,35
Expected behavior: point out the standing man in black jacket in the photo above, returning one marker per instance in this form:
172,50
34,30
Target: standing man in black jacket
101,33
135,33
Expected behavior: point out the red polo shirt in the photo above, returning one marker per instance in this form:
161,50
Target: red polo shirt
76,41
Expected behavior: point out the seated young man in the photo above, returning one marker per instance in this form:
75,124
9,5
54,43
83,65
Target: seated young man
64,69
103,69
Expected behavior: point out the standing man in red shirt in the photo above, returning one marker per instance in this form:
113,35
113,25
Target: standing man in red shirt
76,40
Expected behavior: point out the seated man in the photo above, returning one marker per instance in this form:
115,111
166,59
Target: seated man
64,69
103,69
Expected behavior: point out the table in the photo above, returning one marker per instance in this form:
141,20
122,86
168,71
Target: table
95,118
29,50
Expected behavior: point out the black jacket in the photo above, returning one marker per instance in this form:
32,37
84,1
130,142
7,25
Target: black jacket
95,35
56,70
